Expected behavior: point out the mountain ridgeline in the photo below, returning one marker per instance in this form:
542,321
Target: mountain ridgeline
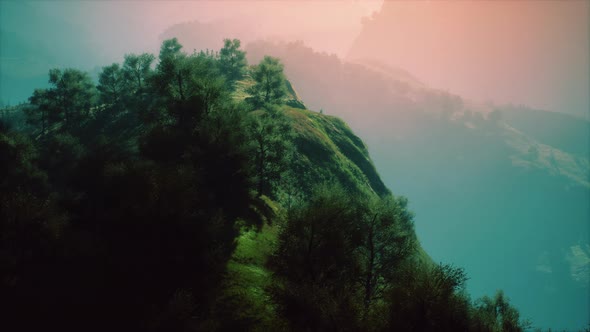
480,176
194,192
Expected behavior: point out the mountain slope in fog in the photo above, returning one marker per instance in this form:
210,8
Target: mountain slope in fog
488,50
482,178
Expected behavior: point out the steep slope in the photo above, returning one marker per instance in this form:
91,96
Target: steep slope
326,150
157,195
478,180
326,147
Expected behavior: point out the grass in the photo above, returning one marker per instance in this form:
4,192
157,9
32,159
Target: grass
331,150
327,146
245,296
328,150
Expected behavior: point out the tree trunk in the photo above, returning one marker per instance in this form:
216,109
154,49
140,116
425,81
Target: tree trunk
369,277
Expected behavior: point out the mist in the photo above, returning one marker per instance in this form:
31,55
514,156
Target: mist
37,36
477,112
521,52
528,53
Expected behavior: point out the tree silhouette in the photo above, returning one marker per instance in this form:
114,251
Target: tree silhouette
67,101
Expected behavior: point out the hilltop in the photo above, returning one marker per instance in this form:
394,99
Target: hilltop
202,194
468,167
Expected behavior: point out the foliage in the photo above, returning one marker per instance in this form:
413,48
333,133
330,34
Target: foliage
313,265
270,135
270,82
68,100
183,81
496,314
388,239
136,71
111,84
232,60
428,299
337,256
162,203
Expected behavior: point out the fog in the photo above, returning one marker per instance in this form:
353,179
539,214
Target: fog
526,52
37,36
481,201
522,52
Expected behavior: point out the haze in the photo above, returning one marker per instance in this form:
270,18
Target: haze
476,197
526,52
522,52
37,36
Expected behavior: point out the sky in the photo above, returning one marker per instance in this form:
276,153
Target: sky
534,53
522,52
38,35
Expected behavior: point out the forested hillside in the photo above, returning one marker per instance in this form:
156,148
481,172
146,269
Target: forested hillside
194,192
509,182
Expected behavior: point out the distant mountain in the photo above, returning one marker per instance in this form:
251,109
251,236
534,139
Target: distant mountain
495,188
487,50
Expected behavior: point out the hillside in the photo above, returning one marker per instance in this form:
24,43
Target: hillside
327,149
203,195
468,168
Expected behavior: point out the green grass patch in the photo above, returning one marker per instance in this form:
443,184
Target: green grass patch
245,303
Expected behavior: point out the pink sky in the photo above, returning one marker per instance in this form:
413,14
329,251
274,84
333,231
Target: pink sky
529,52
523,52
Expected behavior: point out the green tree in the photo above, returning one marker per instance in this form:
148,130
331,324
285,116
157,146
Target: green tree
270,82
497,315
59,156
387,240
68,100
184,81
111,85
232,60
428,298
30,227
171,74
270,138
42,113
205,83
136,70
314,263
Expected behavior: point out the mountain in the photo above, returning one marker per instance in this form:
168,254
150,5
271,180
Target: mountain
508,183
143,206
488,50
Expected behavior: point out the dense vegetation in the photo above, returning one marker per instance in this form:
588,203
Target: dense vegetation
195,193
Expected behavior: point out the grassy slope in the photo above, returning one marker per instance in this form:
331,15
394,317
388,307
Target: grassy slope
326,147
328,150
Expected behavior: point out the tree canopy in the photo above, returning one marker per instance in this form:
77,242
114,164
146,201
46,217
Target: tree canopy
270,81
232,60
68,100
160,200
